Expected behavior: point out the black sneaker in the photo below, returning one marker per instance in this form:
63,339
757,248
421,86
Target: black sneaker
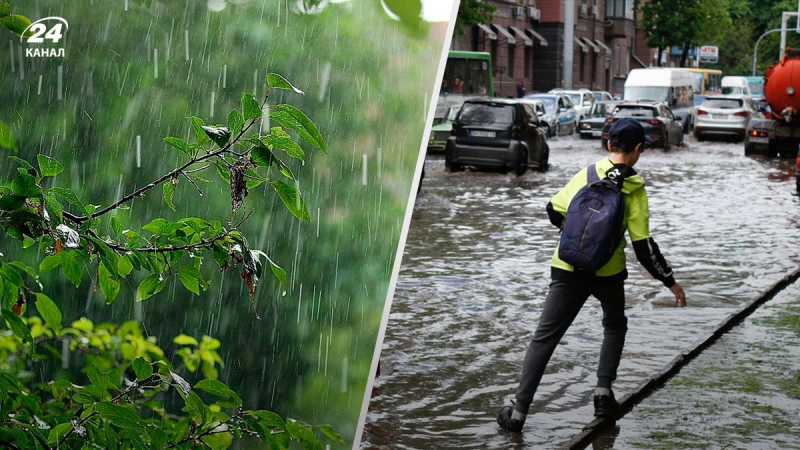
506,422
605,406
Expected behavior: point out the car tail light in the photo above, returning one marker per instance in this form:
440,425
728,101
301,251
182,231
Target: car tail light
701,112
798,161
654,121
742,114
757,133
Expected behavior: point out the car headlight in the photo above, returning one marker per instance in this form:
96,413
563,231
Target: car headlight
586,126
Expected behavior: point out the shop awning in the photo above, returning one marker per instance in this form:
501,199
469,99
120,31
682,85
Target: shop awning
533,33
583,46
592,44
488,31
520,33
603,46
504,32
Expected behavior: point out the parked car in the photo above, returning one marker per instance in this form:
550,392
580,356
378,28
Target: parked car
671,86
547,120
440,132
602,96
582,99
560,113
660,124
497,133
732,85
724,116
592,125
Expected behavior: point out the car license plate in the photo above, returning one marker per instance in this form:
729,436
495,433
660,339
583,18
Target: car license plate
759,140
719,116
597,132
483,134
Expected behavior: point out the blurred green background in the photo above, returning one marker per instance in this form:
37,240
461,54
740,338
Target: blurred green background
135,70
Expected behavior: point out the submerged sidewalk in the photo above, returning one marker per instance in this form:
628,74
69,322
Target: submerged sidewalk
743,392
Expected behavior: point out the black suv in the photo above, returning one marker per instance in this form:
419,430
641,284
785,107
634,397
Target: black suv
497,133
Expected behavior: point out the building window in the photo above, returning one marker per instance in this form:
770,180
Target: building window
528,61
493,52
511,60
583,65
619,9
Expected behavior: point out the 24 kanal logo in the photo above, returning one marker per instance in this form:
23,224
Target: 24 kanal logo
43,33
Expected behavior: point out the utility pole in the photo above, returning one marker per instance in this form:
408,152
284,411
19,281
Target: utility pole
569,44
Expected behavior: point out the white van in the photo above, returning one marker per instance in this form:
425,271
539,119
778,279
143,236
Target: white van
670,86
735,86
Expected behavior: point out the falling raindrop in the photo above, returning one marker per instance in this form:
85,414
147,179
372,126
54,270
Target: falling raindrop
39,87
224,76
186,42
11,54
299,302
155,60
60,84
126,5
138,151
323,84
21,65
364,169
65,354
344,374
213,100
380,162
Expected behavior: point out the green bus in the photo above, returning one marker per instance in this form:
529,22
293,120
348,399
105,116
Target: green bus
468,73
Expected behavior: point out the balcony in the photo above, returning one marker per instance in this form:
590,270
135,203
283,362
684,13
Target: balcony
620,27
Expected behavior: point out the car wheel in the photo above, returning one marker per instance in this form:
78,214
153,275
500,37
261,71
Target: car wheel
450,166
558,129
544,164
575,127
749,150
698,136
522,163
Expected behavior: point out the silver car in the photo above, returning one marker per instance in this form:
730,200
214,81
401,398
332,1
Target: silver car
724,116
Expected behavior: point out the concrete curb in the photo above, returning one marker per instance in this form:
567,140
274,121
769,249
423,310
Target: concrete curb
593,430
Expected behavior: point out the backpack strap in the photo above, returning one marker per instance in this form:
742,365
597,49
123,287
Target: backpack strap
591,174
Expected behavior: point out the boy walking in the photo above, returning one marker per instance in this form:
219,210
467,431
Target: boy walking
571,287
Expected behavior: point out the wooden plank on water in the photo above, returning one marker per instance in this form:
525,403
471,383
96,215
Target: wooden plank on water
593,429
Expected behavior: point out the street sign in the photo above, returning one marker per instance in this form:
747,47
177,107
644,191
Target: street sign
709,54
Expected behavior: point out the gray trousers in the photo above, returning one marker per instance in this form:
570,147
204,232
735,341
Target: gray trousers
564,300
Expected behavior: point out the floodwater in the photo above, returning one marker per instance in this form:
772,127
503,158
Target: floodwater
476,271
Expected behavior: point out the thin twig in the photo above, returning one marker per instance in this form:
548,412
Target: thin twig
193,183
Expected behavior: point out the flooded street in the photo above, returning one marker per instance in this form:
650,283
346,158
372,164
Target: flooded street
476,271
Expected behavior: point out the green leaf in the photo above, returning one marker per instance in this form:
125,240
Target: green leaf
98,378
278,82
58,432
6,139
292,199
49,263
24,185
268,419
53,206
17,326
49,167
328,431
71,268
17,24
108,285
162,227
409,12
218,388
82,398
292,118
250,107
5,8
278,271
124,265
49,311
142,368
151,285
179,144
287,145
183,339
302,432
69,195
116,226
220,135
197,125
195,407
235,122
191,278
119,416
169,192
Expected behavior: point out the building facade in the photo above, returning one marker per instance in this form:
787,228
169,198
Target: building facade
526,41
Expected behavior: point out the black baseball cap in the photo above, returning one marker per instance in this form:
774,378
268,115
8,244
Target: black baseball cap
627,133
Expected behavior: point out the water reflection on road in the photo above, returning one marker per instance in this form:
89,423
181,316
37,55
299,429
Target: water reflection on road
476,270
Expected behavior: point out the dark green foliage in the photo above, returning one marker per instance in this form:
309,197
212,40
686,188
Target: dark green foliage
473,12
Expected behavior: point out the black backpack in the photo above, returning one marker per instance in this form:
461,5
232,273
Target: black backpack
592,229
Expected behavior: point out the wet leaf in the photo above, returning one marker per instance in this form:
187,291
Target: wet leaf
278,82
116,226
142,368
49,311
53,206
179,144
292,118
108,285
17,326
409,12
220,135
49,167
197,126
17,24
250,107
5,8
58,432
6,139
235,122
169,192
71,268
287,145
328,431
292,199
218,388
195,407
24,185
302,432
268,419
120,416
82,398
183,385
183,339
124,265
191,278
49,263
151,285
